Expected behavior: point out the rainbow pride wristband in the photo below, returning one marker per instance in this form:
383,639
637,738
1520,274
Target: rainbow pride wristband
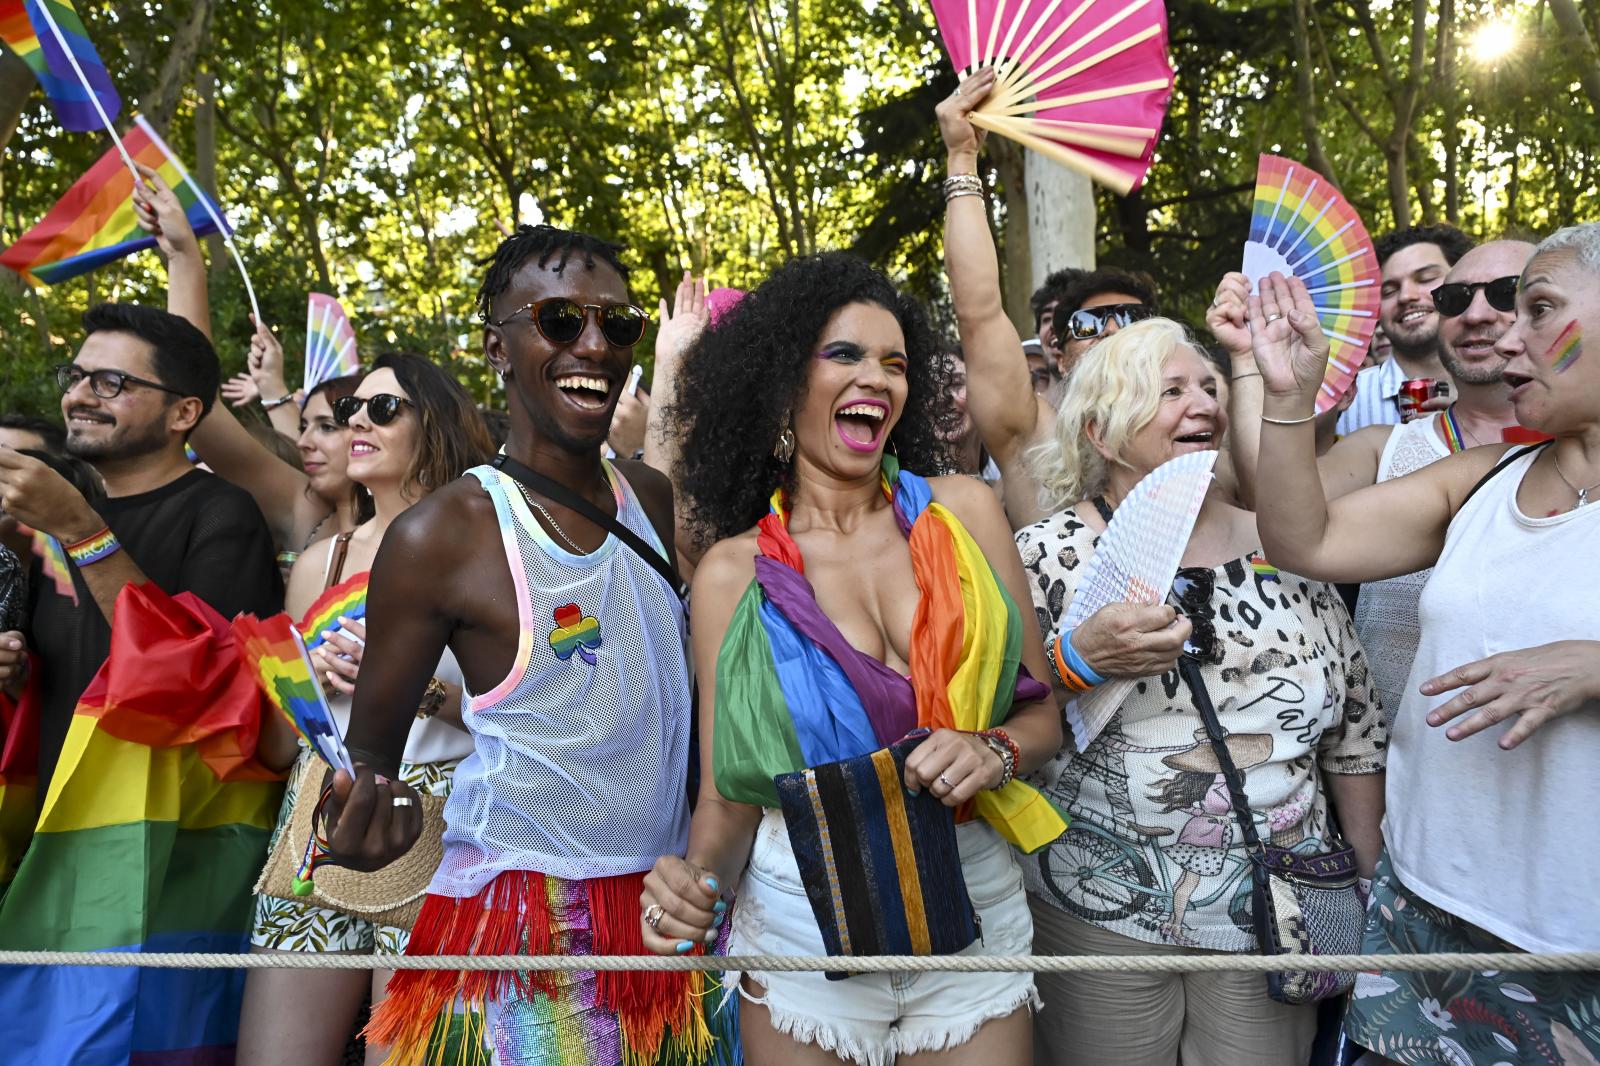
93,549
1070,667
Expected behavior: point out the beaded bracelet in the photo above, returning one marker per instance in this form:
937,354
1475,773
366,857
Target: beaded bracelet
1001,744
962,185
94,548
1075,673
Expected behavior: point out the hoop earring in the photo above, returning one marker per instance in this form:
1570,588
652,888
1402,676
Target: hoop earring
783,451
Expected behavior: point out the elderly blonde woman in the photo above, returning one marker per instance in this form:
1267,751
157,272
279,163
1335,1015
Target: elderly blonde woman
1154,862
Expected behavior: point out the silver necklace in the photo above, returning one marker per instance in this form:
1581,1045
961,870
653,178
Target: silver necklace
555,526
1583,494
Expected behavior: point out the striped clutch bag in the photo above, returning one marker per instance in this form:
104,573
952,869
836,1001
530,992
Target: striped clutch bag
880,867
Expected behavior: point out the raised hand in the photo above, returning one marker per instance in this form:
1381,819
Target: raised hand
160,213
240,391
961,137
686,320
1226,317
266,361
1290,348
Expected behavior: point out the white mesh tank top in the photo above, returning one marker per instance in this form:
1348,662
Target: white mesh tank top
579,755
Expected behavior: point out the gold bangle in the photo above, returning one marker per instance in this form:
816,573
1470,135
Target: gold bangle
433,698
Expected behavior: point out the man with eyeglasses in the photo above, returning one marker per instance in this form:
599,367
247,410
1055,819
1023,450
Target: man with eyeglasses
1088,307
544,573
141,381
1412,262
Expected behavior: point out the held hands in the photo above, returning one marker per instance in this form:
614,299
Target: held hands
679,907
954,766
37,496
370,821
160,213
1534,685
1290,348
962,139
339,658
1131,639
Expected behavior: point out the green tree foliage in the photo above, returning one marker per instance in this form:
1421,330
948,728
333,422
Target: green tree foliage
378,151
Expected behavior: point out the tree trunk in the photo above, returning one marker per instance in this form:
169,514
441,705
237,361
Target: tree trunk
161,102
1061,219
205,160
1306,93
1394,158
16,89
1015,239
1570,19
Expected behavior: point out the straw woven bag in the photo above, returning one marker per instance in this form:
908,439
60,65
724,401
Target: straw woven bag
391,896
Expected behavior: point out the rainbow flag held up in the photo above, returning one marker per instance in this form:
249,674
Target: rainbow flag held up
26,27
94,223
150,840
330,342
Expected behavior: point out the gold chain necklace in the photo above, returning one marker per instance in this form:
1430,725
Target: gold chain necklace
555,526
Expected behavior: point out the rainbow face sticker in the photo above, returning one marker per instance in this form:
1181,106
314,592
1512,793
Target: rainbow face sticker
574,632
1567,349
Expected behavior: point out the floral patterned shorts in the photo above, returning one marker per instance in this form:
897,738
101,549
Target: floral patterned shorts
1463,1019
290,925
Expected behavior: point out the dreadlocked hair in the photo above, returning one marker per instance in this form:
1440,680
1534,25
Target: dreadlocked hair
545,242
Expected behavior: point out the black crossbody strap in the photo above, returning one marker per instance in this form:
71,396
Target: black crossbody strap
572,501
1512,456
1190,671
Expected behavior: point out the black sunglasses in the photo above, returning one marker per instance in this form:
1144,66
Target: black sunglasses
382,408
1090,322
106,384
1455,297
1193,588
561,321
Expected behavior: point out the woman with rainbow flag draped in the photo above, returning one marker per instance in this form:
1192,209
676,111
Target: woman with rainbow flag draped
860,650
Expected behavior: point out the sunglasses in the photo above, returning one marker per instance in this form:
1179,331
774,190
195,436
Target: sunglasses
106,384
381,409
1193,588
1090,322
1454,298
561,321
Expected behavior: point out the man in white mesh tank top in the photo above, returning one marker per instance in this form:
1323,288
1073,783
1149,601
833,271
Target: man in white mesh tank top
577,689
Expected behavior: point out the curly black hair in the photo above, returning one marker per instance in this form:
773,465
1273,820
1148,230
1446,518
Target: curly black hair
741,380
544,242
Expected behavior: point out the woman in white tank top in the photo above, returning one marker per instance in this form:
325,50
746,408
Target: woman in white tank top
1492,765
412,429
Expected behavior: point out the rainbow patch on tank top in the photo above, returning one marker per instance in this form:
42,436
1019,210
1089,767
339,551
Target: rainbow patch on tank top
574,632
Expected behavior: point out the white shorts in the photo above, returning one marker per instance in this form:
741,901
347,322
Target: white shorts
871,1018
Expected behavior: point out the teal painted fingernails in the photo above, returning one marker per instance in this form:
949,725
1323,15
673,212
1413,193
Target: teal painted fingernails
719,906
684,947
711,883
716,923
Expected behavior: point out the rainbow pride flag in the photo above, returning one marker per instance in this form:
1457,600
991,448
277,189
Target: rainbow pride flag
19,772
330,342
26,25
150,839
94,223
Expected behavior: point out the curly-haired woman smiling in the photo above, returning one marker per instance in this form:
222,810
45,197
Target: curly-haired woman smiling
800,418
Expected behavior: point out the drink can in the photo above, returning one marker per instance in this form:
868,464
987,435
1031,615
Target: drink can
1416,392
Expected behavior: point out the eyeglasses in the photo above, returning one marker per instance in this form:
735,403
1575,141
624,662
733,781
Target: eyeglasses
561,321
1042,377
1454,298
381,409
1090,322
106,384
1193,587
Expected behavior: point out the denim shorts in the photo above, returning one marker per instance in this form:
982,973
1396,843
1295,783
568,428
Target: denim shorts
871,1018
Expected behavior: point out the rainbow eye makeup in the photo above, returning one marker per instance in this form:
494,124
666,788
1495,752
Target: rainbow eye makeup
848,353
1567,349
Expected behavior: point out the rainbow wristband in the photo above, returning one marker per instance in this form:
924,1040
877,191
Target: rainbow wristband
1076,674
93,549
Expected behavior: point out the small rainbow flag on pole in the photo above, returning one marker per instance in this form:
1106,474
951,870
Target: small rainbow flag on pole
50,38
94,223
330,342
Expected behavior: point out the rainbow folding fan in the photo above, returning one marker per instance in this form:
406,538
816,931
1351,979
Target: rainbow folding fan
330,342
348,599
1301,225
1084,82
277,656
1135,562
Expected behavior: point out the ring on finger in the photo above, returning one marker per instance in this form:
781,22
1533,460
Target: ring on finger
1273,318
946,782
653,915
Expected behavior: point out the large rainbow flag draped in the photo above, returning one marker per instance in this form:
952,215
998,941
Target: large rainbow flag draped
19,772
94,223
151,836
26,27
792,693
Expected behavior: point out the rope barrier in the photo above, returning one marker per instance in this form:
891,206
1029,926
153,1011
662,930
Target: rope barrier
1510,961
